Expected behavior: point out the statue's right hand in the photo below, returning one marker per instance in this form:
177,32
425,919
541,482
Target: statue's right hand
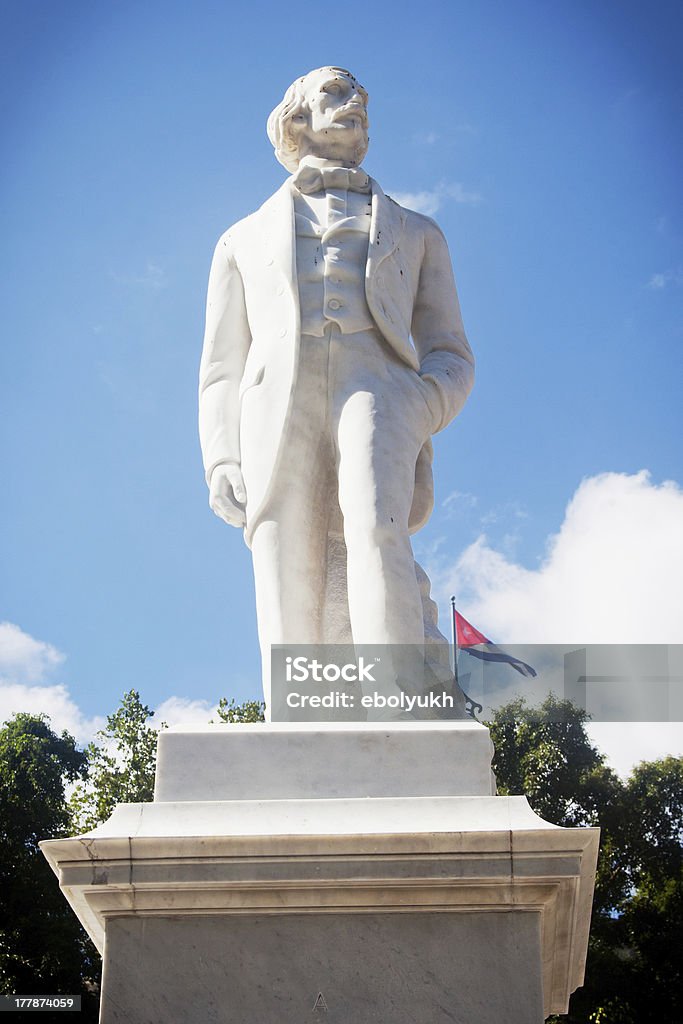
227,494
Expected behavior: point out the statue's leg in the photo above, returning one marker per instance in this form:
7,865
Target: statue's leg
289,542
381,422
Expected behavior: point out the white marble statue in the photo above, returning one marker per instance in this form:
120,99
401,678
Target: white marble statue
334,349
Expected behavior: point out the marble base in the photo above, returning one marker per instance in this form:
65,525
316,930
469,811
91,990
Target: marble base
289,760
340,968
397,908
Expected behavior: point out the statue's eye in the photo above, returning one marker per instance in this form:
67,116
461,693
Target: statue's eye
332,87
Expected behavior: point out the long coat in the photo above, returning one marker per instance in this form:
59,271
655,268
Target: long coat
253,333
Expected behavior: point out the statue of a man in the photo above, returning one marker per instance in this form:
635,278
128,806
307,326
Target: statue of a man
334,349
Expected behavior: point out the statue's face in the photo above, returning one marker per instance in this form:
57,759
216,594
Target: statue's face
337,124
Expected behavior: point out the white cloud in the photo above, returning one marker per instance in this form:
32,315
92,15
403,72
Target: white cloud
508,510
460,194
54,701
429,201
183,711
24,659
660,281
612,574
422,202
628,743
25,667
456,501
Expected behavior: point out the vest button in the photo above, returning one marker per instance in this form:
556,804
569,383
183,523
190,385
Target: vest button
270,261
283,332
334,304
280,290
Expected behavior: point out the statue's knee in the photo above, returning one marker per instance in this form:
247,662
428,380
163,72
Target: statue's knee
370,537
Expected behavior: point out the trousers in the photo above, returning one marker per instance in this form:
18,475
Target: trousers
344,492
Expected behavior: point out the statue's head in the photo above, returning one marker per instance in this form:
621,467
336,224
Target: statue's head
323,114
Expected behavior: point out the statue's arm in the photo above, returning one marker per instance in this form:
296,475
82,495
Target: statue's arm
446,359
226,343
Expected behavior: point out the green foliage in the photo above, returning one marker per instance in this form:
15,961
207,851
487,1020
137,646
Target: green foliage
633,971
545,754
43,949
122,765
652,919
655,791
34,765
249,711
122,770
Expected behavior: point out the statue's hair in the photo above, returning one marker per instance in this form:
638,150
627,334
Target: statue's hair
279,123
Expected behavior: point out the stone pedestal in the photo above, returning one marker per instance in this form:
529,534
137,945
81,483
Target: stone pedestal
350,873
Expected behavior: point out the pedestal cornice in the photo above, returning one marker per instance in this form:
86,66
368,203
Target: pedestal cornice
464,854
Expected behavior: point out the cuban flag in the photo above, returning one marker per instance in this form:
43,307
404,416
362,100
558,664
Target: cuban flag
475,643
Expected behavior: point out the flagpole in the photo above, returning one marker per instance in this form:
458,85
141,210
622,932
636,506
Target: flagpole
455,641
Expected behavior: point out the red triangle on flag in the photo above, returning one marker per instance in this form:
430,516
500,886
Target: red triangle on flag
465,633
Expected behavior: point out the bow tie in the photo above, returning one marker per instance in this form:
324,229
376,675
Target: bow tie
321,179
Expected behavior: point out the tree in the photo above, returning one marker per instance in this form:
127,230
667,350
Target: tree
43,949
633,974
121,767
249,711
121,770
652,920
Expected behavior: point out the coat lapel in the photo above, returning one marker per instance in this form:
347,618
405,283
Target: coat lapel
386,226
280,239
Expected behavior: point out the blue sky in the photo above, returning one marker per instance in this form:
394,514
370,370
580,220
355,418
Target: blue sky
544,138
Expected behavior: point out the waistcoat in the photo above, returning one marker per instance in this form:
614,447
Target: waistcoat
330,262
